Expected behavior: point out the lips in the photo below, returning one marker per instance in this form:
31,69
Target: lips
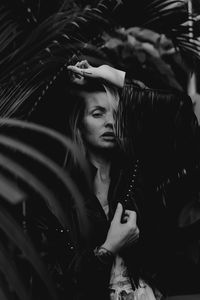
108,134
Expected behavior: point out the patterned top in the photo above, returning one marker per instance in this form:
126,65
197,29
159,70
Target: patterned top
120,287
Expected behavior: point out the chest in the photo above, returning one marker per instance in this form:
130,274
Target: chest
101,188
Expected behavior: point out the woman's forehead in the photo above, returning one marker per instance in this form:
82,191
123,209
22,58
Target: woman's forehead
99,98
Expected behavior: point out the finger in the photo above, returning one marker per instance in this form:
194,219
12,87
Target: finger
79,80
85,64
75,69
118,213
134,238
124,219
76,76
132,216
77,64
136,235
79,71
128,212
82,64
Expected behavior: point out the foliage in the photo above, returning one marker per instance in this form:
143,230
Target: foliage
50,40
23,189
38,39
146,56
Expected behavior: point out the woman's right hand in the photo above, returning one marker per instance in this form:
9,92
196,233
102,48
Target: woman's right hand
121,235
103,72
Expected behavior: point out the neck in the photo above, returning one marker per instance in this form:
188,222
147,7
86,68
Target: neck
101,162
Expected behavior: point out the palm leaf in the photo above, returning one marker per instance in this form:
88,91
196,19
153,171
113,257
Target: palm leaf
10,191
65,142
169,17
60,30
3,295
190,214
23,12
62,180
40,59
16,235
9,270
11,32
34,184
164,6
178,24
60,175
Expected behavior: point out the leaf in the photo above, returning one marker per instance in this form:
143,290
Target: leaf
22,241
9,269
9,32
10,192
190,214
21,174
38,58
65,142
5,293
3,296
52,28
60,174
164,6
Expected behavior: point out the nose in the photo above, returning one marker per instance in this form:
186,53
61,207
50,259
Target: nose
109,120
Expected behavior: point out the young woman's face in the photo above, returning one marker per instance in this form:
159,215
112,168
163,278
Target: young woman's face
98,120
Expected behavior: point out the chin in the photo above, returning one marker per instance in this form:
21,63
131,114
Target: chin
109,145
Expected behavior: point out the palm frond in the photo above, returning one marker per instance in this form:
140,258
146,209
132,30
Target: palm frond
169,17
9,269
62,176
3,294
60,30
65,142
10,191
23,12
32,185
31,166
15,233
36,170
174,20
10,31
164,6
39,60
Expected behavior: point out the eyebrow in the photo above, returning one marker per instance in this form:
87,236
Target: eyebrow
101,108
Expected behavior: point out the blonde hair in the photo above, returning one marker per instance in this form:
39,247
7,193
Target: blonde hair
77,113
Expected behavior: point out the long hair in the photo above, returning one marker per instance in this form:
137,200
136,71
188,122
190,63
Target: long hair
76,114
78,109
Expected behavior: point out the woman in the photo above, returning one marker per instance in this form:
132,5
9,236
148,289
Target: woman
121,263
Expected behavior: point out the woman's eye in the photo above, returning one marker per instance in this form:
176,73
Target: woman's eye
97,114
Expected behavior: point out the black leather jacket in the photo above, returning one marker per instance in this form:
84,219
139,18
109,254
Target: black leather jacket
163,135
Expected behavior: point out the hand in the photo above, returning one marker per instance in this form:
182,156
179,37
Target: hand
103,72
121,235
77,76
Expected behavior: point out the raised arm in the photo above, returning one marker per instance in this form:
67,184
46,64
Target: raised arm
158,123
104,72
158,119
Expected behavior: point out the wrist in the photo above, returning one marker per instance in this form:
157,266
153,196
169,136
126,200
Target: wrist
104,255
110,247
121,78
112,75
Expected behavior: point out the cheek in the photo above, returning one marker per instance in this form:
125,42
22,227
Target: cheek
91,128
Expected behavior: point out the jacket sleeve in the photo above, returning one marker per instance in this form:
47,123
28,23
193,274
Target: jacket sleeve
158,126
90,275
76,272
